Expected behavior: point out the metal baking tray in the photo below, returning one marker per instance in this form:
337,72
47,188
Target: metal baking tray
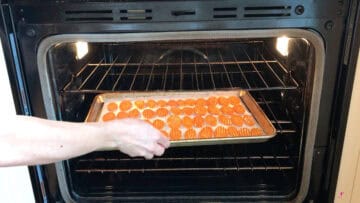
96,111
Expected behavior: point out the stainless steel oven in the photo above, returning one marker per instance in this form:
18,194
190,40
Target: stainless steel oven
293,57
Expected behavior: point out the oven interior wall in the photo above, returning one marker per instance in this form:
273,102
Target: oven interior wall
280,84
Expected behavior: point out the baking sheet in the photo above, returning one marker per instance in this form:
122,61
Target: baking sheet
252,108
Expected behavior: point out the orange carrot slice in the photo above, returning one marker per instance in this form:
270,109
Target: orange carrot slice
206,133
211,120
175,134
162,112
125,105
237,120
190,134
148,113
249,120
112,106
174,121
108,116
187,122
134,113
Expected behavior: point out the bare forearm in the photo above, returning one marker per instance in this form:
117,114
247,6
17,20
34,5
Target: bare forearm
29,140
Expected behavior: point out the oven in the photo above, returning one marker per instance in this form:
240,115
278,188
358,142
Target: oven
293,57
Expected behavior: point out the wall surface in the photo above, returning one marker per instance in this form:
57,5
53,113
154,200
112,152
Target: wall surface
15,184
348,186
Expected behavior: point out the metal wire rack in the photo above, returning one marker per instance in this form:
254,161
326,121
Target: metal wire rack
216,158
211,158
215,68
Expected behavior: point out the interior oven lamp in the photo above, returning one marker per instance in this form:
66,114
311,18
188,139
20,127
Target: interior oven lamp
82,49
282,45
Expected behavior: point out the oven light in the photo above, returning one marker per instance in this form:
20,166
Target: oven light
282,45
81,49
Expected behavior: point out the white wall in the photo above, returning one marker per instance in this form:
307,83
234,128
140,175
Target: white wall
348,186
15,184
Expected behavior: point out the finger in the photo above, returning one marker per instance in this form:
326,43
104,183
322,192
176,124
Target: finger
160,138
149,156
163,141
159,150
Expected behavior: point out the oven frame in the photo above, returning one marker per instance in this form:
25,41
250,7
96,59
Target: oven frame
312,37
21,34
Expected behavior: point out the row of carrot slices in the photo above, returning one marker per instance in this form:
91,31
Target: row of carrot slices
126,105
208,133
163,112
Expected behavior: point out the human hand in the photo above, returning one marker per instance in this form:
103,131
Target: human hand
136,138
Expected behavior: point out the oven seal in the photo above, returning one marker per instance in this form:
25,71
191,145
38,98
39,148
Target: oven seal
312,37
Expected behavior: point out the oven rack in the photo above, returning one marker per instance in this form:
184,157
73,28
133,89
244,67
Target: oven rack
226,158
218,69
222,158
283,124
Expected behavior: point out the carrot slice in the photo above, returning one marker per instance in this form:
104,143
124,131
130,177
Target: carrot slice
232,131
249,120
162,103
112,106
227,110
206,133
190,134
200,110
175,134
187,122
247,132
181,102
234,100
221,132
244,132
225,120
172,103
237,120
223,101
151,103
190,102
211,120
198,121
201,102
108,116
159,124
175,110
174,121
148,113
122,115
213,110
256,132
134,113
212,101
140,104
188,110
125,105
162,112
239,109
